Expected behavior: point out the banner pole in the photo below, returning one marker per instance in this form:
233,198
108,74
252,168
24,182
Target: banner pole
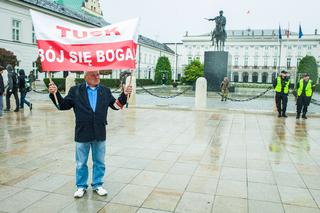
130,82
54,94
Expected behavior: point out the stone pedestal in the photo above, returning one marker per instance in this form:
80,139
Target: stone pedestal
70,82
132,99
201,93
216,67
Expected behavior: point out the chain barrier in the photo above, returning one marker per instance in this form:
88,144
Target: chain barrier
247,99
40,92
315,102
165,97
116,90
46,92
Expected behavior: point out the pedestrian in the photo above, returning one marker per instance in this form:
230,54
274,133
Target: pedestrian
224,86
24,88
281,86
304,93
13,85
123,79
90,102
32,80
1,90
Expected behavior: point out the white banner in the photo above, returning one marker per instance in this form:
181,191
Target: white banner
67,46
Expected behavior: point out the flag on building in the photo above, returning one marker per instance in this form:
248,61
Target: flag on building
288,33
64,46
280,35
300,32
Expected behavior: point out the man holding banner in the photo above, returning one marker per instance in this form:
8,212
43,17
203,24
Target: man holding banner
65,46
90,102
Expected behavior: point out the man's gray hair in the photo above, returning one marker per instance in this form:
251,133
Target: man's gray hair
86,73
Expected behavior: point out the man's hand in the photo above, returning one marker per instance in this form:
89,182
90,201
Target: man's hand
52,88
127,90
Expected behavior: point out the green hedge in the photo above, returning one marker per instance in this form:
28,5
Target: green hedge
251,85
317,88
60,82
111,83
145,82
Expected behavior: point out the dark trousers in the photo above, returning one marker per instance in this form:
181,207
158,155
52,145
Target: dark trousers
281,99
23,99
8,95
302,104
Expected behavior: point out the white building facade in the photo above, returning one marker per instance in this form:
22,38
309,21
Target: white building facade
255,54
148,52
17,34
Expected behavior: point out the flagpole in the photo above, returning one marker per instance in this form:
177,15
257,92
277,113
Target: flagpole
280,47
54,94
129,84
299,37
280,55
288,35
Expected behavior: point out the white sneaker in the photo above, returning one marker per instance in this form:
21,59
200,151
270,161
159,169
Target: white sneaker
101,191
79,193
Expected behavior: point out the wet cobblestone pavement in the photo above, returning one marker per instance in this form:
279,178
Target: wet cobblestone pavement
164,160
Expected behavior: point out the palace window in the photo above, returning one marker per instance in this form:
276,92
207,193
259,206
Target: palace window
34,40
298,61
17,66
265,64
275,62
16,25
246,59
236,61
255,61
288,62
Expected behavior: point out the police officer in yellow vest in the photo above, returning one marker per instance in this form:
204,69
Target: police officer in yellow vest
281,86
304,92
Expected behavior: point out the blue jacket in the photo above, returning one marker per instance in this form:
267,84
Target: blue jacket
90,126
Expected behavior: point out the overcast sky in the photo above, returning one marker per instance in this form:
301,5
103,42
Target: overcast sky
168,20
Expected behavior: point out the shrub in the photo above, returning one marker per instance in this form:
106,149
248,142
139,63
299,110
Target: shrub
111,83
59,82
308,65
7,57
193,71
163,67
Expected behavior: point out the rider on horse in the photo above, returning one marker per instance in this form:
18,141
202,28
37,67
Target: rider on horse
219,31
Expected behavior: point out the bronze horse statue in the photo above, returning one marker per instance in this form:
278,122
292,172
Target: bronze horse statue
219,34
219,37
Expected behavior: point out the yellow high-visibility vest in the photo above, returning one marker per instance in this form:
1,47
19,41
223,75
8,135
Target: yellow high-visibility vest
279,86
308,88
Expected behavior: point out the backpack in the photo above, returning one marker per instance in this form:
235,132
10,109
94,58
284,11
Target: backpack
27,85
15,80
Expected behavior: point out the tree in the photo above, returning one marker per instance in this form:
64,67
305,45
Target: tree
308,65
7,57
39,67
163,68
38,63
193,71
105,72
